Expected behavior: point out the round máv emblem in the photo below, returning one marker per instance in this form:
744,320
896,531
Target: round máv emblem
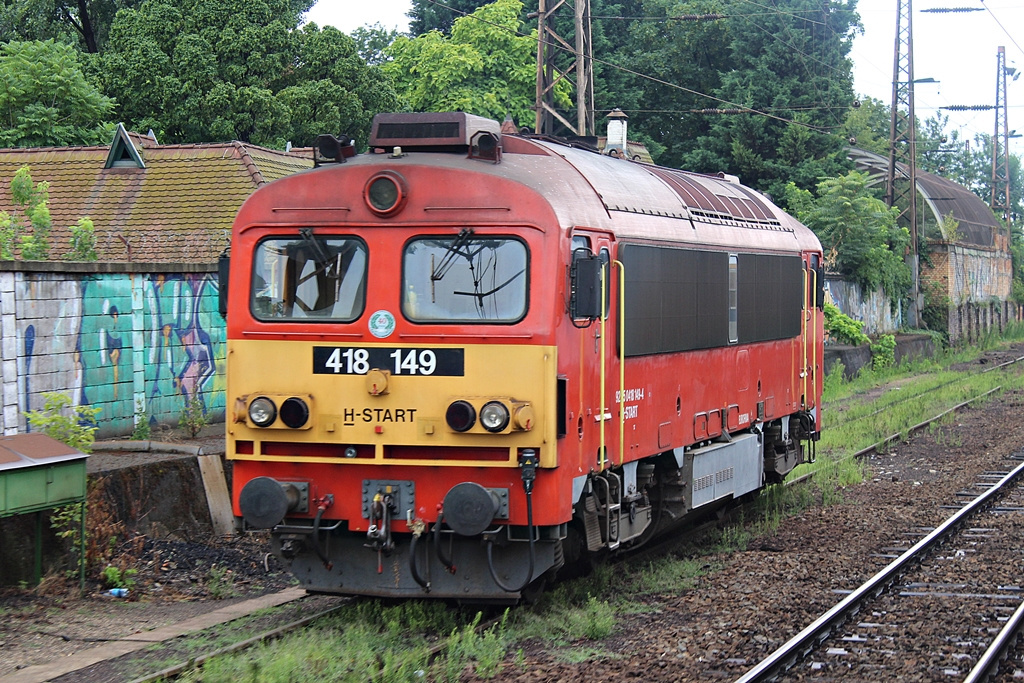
382,324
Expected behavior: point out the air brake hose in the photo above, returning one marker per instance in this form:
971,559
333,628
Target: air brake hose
528,462
445,560
316,537
413,566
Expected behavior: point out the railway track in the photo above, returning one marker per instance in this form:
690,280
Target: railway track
932,612
197,661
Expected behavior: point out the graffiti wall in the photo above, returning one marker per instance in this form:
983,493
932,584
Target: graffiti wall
136,345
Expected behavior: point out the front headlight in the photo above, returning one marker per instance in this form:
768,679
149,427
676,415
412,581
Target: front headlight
294,412
494,416
460,416
262,412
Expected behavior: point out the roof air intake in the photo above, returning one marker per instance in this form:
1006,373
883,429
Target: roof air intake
436,132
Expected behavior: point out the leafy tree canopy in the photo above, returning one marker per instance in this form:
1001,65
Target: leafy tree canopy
867,126
791,65
215,70
372,41
857,231
46,99
85,23
486,67
427,16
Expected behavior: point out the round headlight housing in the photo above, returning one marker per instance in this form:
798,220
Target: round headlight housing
262,412
494,416
385,193
294,412
460,416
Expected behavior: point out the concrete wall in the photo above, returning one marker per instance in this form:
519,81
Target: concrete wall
976,277
873,309
121,337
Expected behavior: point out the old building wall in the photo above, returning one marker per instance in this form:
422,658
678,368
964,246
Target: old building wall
132,340
973,284
872,308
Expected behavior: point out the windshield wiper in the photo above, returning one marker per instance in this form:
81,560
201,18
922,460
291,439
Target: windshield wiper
454,249
324,260
480,295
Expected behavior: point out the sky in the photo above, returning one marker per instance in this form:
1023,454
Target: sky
958,50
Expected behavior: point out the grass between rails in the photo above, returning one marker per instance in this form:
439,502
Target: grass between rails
372,641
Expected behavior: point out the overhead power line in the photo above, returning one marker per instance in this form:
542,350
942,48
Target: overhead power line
557,46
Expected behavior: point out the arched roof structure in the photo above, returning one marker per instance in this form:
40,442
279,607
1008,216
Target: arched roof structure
977,225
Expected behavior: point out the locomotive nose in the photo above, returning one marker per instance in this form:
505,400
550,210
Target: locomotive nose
265,501
469,508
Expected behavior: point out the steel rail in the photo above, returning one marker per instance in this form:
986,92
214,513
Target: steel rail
988,664
907,399
811,636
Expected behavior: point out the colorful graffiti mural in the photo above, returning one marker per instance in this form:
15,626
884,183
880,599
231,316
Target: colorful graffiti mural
130,344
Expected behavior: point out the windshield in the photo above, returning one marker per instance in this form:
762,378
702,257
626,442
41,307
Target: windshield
309,276
464,278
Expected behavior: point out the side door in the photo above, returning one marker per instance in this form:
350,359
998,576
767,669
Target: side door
598,423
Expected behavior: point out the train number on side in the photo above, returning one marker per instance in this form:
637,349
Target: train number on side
356,360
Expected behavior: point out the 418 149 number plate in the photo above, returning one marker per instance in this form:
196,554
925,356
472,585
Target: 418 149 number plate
357,360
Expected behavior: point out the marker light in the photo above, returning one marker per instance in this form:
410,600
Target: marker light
262,412
494,416
294,412
460,416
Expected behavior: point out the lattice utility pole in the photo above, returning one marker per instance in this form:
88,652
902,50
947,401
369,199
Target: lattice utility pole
1001,145
558,60
901,184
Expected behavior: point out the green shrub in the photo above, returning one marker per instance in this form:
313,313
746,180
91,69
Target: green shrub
842,328
883,352
77,429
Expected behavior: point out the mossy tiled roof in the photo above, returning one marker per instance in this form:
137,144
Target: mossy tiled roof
179,208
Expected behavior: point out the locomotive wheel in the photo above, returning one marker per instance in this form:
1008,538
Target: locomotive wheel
577,559
533,592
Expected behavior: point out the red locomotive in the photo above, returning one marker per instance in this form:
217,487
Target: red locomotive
466,359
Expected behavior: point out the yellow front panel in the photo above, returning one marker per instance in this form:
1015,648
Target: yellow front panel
381,396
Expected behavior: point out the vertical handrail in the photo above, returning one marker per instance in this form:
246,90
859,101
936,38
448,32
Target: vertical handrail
814,335
602,453
803,335
622,360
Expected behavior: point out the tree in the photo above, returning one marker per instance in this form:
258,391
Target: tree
789,73
372,41
684,59
215,70
26,229
85,23
25,232
46,99
858,232
427,16
486,67
867,126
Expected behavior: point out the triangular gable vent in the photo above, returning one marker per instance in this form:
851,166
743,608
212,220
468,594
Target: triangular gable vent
122,152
